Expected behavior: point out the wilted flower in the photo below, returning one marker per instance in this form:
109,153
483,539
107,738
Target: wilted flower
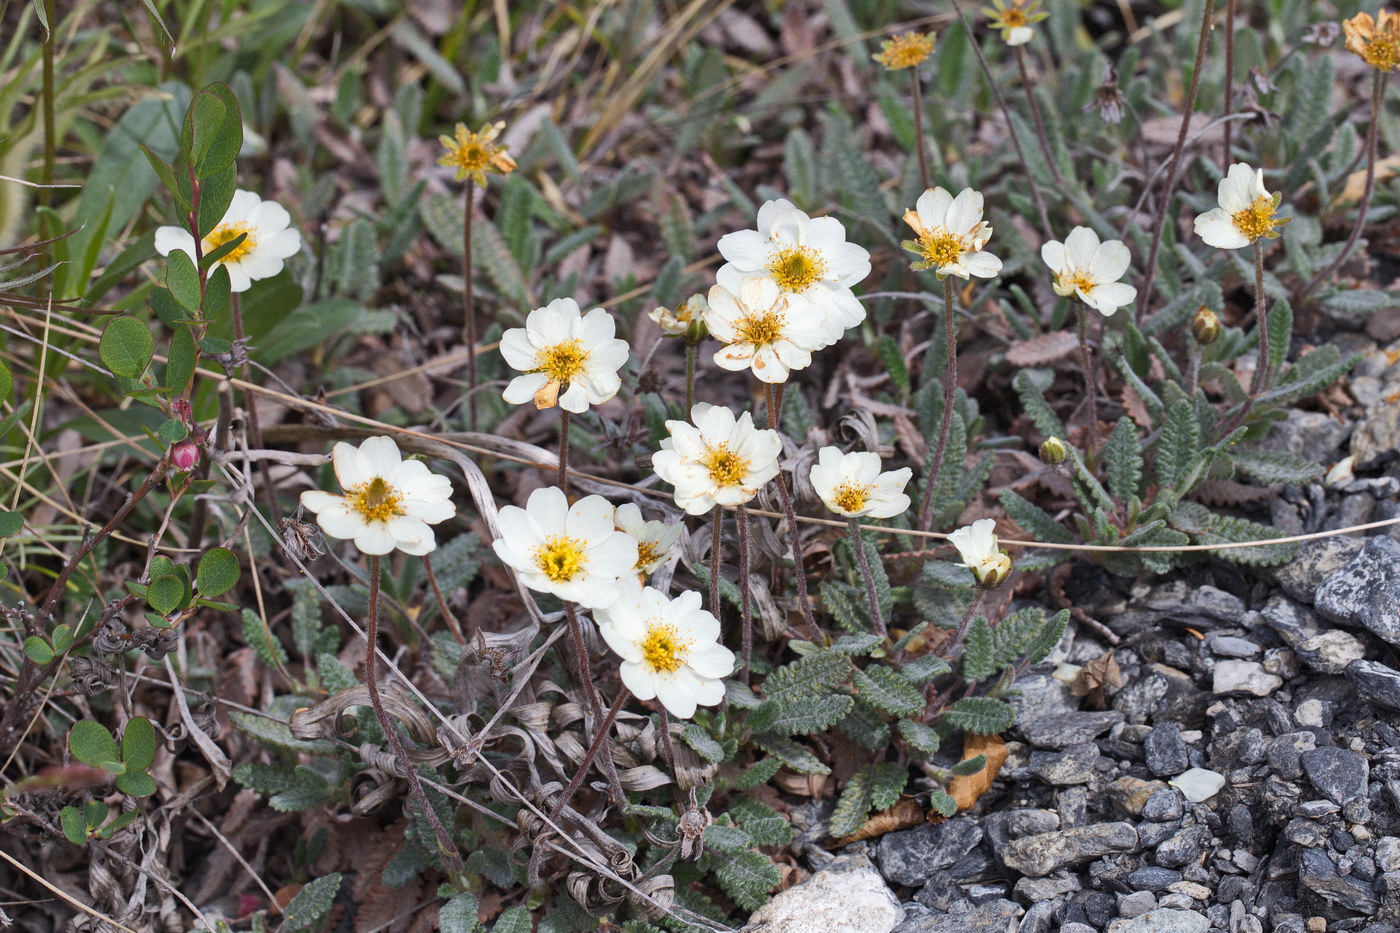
1108,99
808,258
1014,20
654,539
762,329
1323,35
266,243
951,234
1377,40
1246,213
388,502
852,484
905,50
977,544
682,321
719,460
573,552
1089,270
563,351
473,155
670,649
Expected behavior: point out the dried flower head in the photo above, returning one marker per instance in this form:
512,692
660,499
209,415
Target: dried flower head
905,50
1014,20
474,155
1377,40
1108,100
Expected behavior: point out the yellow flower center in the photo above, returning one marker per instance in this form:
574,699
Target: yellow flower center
940,248
1014,18
851,497
1080,280
563,361
647,553
726,467
663,649
1382,52
796,268
375,501
760,329
224,233
1256,220
559,558
905,50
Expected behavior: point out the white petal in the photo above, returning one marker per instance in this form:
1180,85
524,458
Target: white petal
1080,246
1218,229
169,239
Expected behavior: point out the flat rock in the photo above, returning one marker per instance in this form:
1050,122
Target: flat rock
911,856
1232,646
1377,438
1367,590
1044,853
1315,561
1244,679
1339,773
1311,435
1165,750
1163,920
1074,765
1319,874
1130,794
1330,652
1066,729
1375,682
996,916
832,900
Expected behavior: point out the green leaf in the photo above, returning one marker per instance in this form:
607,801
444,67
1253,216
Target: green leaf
139,744
62,638
706,747
1123,454
459,915
122,821
182,360
760,772
1179,443
212,133
1048,636
795,756
172,431
804,715
182,278
923,667
747,876
1040,524
807,676
312,902
883,688
74,826
942,803
979,656
919,736
166,594
981,715
216,194
764,825
1274,466
969,766
93,745
308,789
218,572
136,783
888,781
1033,401
7,382
268,647
126,347
38,650
515,920
853,804
11,523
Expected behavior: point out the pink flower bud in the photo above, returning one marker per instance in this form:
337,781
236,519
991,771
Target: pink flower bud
185,455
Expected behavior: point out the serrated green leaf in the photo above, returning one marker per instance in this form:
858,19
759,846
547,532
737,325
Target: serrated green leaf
312,902
1033,402
461,914
747,876
883,688
800,715
705,746
1179,443
969,766
1273,466
765,826
1037,522
760,772
1123,456
267,645
979,655
853,804
981,715
807,676
942,803
888,780
919,736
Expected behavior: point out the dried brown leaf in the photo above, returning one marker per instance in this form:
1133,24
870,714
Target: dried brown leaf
966,789
902,815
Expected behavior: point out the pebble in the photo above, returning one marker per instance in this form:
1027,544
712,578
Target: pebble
1183,848
1319,873
1165,750
1163,920
910,856
1377,438
1130,794
1340,773
1153,878
1231,646
1375,682
1044,853
1031,890
1163,806
1388,853
1331,651
1197,892
1314,562
1135,904
848,887
1244,678
1074,765
993,916
1367,590
1285,753
1066,729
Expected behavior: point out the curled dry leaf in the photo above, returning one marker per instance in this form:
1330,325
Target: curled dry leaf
1094,677
902,815
1042,348
967,789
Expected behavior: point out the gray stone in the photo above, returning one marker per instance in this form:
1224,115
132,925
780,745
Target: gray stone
1311,435
1068,729
848,887
1375,682
1042,854
1163,920
1244,679
1153,878
941,892
1231,646
1005,825
1367,590
1388,853
994,917
1163,806
1183,848
1135,904
1331,651
910,856
1166,750
1318,873
1340,773
1314,562
1285,753
1377,438
1074,765
1039,918
1031,890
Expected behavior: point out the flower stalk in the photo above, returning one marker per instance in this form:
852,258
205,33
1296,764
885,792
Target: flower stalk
918,94
950,388
877,618
469,304
716,558
447,615
1091,383
742,518
794,537
595,707
598,744
1040,134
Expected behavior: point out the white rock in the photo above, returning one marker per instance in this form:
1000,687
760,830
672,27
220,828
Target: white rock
1198,784
848,896
1244,678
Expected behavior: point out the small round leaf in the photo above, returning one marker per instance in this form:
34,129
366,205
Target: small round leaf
217,573
126,347
166,594
139,744
93,745
38,650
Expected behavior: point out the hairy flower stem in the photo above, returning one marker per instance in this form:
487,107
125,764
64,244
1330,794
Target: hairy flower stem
469,304
692,350
877,619
598,743
1174,167
919,126
1040,134
1364,207
742,517
1230,13
1259,382
564,450
669,748
250,403
447,615
954,649
1091,384
950,389
445,843
794,537
716,546
590,691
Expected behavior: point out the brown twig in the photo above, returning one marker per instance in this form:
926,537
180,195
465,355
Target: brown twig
1227,149
447,615
794,533
919,126
1040,134
598,743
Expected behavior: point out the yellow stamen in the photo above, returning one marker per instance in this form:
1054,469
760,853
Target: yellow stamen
726,467
1079,280
663,649
647,553
559,558
1257,220
796,268
760,329
905,50
940,248
376,501
851,497
223,233
563,361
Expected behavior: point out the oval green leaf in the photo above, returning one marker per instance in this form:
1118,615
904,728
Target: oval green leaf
37,650
93,745
139,744
126,347
217,573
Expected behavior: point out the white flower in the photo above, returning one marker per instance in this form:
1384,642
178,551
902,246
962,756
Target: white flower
654,539
670,649
1089,270
807,257
852,484
388,503
1247,211
574,553
718,460
677,323
763,329
951,234
561,349
977,544
259,256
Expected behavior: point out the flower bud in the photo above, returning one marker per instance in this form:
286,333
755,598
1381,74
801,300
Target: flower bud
1205,326
682,321
993,570
184,456
1053,451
